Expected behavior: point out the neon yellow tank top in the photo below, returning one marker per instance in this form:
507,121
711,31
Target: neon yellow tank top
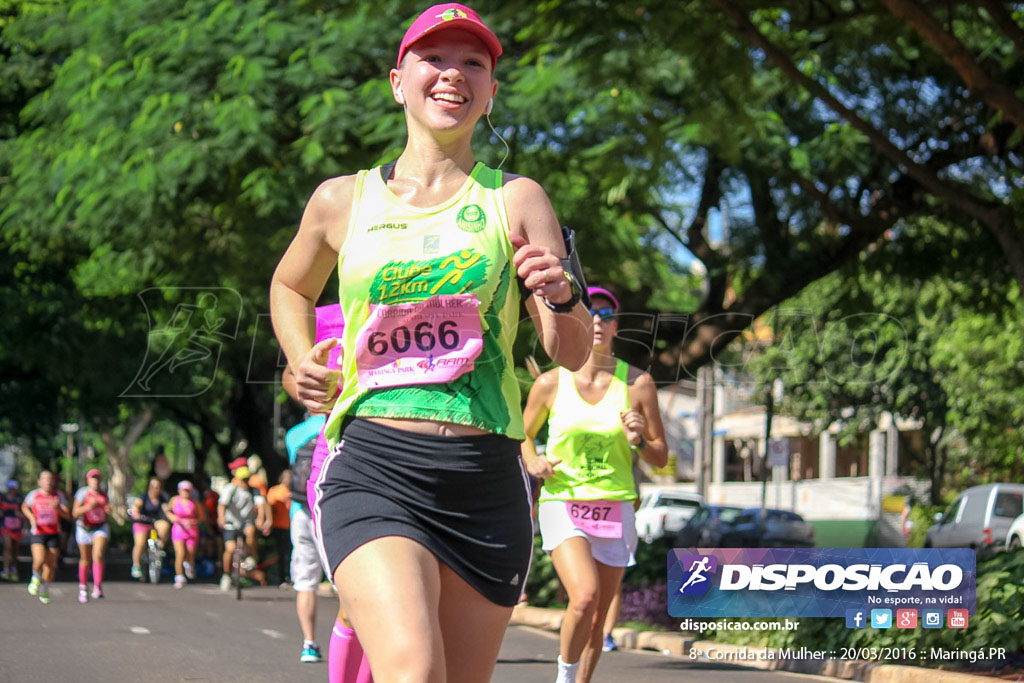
395,255
597,463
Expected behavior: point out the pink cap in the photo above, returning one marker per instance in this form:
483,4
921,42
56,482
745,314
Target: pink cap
93,473
185,484
450,15
601,291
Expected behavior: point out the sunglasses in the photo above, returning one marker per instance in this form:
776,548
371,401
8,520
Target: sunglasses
605,314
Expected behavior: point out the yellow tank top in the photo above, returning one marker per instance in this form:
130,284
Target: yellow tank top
398,256
597,462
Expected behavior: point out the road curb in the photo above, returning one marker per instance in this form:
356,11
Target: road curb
745,655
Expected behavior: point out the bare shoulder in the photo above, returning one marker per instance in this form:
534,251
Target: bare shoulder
332,196
529,210
547,381
329,208
637,378
521,188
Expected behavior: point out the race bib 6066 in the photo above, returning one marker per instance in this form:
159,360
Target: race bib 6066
430,342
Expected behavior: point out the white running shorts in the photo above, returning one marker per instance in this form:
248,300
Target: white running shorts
556,526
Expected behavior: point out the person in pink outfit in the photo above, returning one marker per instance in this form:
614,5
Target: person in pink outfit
92,533
185,514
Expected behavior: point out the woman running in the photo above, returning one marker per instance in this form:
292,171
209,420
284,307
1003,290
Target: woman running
597,418
10,529
147,514
186,514
92,534
423,515
44,507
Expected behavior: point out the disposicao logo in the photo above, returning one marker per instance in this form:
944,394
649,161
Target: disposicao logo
817,582
698,566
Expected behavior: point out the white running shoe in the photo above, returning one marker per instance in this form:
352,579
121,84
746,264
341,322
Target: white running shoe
179,581
190,571
225,582
83,595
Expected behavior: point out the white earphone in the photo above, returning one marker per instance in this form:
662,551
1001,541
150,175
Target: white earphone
490,106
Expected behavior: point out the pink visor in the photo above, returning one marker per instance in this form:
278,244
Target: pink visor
450,15
601,291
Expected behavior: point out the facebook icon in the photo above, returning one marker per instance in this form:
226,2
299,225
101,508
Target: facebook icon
856,618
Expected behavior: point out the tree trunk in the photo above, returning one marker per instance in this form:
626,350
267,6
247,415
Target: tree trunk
252,415
937,465
117,456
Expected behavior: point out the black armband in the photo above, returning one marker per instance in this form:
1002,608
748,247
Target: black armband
571,264
573,274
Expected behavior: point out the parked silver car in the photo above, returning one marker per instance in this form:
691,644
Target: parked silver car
665,512
980,517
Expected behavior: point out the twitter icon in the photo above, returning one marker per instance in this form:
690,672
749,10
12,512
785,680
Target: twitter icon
881,618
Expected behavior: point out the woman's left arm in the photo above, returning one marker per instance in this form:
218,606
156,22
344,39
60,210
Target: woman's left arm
643,419
537,239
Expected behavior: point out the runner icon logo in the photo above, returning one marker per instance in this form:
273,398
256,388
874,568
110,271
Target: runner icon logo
698,566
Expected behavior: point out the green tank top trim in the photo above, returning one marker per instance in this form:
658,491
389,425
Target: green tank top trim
597,462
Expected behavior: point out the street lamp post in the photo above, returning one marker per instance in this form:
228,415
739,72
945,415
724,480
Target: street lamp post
69,428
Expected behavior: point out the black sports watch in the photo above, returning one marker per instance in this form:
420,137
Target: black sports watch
567,306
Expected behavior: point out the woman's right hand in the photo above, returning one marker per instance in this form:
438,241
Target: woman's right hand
316,385
540,466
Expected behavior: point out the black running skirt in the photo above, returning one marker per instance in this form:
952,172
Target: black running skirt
465,498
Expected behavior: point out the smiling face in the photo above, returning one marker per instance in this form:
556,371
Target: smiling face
445,80
47,482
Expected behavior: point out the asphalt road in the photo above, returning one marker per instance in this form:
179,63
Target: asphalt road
141,632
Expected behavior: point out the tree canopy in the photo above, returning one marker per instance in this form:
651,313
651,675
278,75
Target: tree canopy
155,157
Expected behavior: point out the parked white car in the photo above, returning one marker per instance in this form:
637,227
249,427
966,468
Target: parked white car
665,512
979,518
1015,537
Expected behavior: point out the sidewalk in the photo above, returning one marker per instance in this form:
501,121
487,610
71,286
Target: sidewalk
745,655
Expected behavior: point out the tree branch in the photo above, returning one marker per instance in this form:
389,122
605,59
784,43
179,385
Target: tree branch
956,54
997,10
957,195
